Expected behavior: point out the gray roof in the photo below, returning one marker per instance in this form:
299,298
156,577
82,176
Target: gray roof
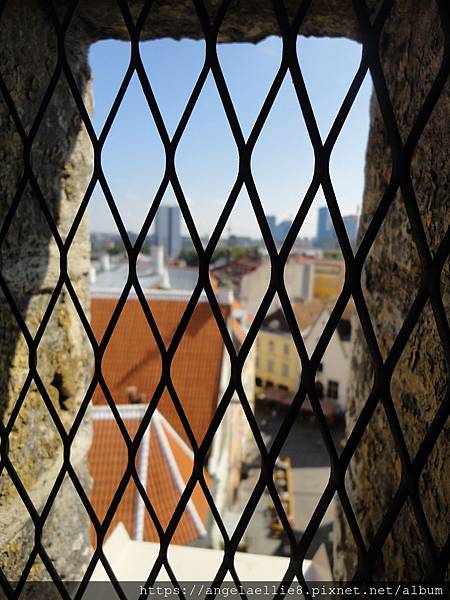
183,279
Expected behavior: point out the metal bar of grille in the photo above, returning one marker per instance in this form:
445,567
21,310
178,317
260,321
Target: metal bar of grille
380,395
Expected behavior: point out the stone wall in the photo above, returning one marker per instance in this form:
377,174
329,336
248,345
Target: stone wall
62,161
411,53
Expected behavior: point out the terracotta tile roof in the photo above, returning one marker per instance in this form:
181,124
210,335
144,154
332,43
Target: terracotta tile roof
165,495
306,314
312,260
108,459
233,271
169,466
132,358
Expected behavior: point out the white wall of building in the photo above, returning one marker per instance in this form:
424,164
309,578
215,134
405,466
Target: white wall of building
335,361
254,285
297,278
230,441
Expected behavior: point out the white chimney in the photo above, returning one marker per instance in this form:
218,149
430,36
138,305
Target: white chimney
158,259
165,280
105,261
92,275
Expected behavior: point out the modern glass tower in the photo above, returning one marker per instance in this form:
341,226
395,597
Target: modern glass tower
168,230
324,227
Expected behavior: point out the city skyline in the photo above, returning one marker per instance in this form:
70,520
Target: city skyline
282,163
274,222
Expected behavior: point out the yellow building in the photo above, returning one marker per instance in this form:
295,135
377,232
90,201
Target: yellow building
328,279
277,360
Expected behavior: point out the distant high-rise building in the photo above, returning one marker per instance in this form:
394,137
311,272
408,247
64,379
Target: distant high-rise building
282,231
325,232
272,222
168,229
351,227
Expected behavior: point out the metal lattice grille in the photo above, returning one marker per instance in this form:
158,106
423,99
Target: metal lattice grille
429,290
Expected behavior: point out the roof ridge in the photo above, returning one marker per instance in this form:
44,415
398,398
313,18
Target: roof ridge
142,473
177,437
126,411
176,474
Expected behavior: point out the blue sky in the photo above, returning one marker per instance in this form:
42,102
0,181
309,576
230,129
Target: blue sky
207,158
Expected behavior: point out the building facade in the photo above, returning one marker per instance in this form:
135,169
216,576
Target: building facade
306,278
351,227
325,231
327,279
168,230
278,364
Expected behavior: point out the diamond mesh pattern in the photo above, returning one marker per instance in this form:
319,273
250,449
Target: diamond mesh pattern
429,290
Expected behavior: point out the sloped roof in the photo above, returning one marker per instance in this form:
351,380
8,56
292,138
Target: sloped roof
164,464
183,278
234,270
306,314
132,358
313,260
108,459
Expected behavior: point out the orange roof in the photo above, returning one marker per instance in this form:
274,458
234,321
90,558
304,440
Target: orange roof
132,358
312,260
233,271
108,459
307,313
164,464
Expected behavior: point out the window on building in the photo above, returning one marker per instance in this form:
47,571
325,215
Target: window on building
270,366
271,346
285,370
333,389
259,382
286,349
319,389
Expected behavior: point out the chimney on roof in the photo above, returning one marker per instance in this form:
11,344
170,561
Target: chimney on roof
133,396
158,259
105,262
92,275
165,280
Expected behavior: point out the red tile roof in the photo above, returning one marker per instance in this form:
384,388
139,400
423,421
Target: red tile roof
132,362
233,271
108,459
306,314
313,260
169,466
132,358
